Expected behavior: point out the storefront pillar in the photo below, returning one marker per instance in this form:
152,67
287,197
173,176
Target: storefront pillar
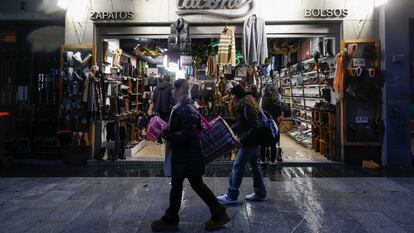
394,36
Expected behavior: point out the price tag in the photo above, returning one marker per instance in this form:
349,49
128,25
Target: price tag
361,119
359,62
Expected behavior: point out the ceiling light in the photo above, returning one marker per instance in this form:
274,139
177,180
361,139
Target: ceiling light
63,4
379,3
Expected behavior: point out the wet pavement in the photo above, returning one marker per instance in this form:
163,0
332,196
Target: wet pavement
129,204
219,169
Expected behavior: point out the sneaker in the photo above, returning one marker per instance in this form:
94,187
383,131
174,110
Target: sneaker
160,225
226,199
254,197
214,225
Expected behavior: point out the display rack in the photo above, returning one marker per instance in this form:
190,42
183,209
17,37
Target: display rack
125,85
303,96
323,133
361,112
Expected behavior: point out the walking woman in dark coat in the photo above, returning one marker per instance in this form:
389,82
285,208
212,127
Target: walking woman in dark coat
186,161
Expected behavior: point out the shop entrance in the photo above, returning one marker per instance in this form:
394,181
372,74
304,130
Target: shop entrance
301,68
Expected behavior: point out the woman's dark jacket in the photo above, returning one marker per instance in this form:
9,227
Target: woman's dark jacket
248,126
272,105
162,98
187,157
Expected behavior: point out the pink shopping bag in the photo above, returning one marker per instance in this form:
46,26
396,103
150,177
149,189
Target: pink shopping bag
155,128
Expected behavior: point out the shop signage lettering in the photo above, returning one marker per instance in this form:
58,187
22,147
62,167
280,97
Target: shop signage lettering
222,8
106,15
326,13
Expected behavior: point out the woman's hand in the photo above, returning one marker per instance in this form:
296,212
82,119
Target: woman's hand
166,134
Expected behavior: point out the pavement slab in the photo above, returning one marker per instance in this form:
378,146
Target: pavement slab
130,204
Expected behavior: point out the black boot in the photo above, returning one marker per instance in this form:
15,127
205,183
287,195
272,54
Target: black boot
161,225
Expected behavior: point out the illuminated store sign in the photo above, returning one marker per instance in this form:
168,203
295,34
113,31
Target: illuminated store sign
326,13
106,15
221,8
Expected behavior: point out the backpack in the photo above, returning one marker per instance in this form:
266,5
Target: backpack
268,134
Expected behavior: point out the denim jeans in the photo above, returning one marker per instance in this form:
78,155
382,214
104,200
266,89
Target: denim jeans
244,156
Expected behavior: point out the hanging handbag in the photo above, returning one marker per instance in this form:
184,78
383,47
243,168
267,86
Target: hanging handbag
186,60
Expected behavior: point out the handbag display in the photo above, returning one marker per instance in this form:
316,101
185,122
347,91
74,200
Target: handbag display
186,60
241,72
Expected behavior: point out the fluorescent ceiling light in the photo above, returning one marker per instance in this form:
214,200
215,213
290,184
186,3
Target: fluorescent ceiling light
63,4
379,3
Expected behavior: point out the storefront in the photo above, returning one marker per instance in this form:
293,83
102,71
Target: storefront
318,126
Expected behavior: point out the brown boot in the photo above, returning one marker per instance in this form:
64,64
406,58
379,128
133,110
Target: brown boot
160,225
214,225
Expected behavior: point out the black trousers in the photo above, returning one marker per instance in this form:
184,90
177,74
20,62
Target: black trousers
171,214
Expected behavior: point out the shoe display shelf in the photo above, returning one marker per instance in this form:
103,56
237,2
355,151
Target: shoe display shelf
302,90
126,105
323,132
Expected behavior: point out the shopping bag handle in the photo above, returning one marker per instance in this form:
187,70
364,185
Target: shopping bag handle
203,119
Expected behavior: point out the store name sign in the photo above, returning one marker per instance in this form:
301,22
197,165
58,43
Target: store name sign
326,13
222,8
116,15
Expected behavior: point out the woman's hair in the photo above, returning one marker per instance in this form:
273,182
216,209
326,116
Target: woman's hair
182,87
249,101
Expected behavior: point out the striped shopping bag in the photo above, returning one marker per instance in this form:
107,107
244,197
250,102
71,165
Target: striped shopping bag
217,138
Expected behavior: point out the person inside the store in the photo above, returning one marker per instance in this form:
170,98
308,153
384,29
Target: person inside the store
245,110
162,99
186,161
271,104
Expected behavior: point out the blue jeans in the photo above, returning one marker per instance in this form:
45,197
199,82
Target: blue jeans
244,156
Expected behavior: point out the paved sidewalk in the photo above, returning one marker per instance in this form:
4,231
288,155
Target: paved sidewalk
129,204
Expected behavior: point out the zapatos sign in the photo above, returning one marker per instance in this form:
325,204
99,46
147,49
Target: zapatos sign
222,8
106,15
326,13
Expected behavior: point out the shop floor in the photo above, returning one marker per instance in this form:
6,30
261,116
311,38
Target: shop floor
293,151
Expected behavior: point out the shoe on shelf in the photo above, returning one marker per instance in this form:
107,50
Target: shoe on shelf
226,199
160,225
254,197
214,225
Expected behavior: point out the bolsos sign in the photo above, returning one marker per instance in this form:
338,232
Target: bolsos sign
326,13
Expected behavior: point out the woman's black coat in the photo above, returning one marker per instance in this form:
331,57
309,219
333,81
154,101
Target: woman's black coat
187,157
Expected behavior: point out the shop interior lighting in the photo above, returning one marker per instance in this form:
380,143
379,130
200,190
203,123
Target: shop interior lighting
63,4
379,3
